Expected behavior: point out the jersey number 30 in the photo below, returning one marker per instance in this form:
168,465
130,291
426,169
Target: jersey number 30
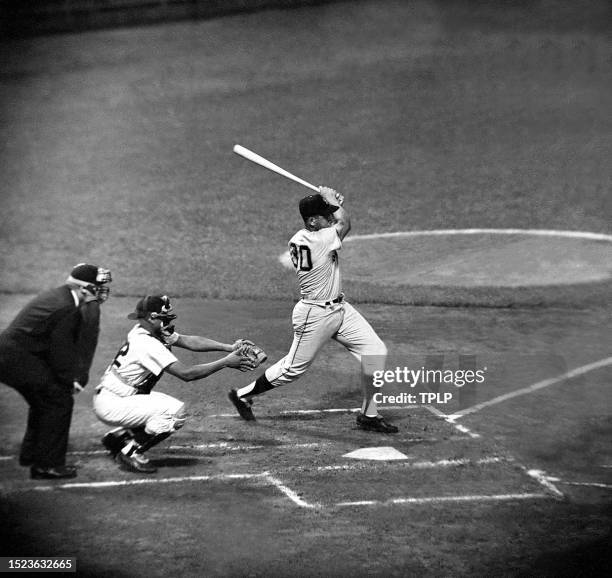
300,256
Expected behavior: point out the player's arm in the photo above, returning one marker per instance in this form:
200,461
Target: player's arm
199,343
343,220
192,372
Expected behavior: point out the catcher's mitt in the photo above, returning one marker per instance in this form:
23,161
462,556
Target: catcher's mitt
255,353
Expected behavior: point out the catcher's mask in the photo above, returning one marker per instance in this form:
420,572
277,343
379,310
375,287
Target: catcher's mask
157,306
93,279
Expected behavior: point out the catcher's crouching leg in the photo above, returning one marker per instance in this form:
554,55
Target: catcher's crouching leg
165,424
158,428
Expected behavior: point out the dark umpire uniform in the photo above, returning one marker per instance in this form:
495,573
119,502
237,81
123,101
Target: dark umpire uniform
45,354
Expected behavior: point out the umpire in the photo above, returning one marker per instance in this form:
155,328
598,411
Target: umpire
46,354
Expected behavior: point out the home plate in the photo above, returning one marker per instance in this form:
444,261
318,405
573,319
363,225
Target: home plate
382,453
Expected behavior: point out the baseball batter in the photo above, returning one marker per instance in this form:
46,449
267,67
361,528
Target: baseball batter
124,397
322,312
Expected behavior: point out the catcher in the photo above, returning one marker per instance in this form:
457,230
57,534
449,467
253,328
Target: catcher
124,397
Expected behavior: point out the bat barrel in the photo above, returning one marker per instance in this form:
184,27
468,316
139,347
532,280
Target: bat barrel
258,159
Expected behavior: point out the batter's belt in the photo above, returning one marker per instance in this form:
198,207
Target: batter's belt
338,299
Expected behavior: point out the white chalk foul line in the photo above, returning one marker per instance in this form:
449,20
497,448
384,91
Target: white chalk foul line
530,389
444,500
588,484
451,421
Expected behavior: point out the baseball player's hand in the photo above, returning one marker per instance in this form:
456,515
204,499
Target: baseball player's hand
238,360
332,196
169,335
240,342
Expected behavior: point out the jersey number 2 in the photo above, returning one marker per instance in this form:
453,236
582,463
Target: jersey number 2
121,353
300,256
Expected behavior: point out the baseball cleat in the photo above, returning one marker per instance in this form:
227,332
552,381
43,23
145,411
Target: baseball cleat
243,407
375,424
114,443
137,463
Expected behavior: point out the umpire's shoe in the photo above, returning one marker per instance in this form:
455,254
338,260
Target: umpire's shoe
375,424
243,407
135,462
56,473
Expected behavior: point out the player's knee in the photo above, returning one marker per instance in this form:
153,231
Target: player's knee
374,359
167,422
379,349
294,372
286,373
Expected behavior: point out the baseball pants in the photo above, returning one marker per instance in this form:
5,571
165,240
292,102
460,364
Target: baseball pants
157,412
50,406
313,326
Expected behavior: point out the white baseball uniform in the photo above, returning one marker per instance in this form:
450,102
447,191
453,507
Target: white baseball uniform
322,313
124,397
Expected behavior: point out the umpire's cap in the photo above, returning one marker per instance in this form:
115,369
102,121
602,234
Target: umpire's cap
313,205
159,304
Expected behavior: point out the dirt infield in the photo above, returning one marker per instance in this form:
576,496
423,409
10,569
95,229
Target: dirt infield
231,498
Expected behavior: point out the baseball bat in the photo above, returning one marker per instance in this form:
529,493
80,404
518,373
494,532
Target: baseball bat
254,157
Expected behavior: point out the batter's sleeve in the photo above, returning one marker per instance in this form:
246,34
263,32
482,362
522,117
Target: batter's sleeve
331,239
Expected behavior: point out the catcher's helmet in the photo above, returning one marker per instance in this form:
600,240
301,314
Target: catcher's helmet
158,306
92,278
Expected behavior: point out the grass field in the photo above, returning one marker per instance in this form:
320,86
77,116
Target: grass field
116,149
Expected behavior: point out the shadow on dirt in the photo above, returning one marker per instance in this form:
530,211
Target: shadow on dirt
589,559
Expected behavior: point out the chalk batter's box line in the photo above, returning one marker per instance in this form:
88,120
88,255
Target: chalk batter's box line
319,411
550,491
273,479
445,500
